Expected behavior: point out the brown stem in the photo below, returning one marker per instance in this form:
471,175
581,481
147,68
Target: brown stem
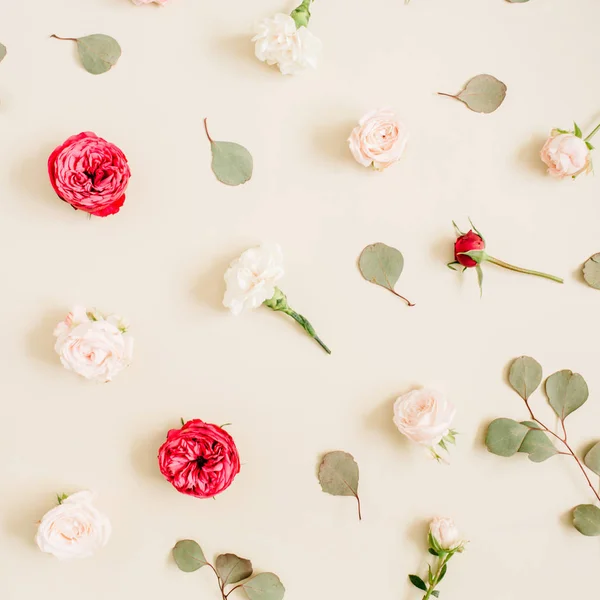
219,581
359,510
232,590
64,39
403,298
206,129
566,445
449,95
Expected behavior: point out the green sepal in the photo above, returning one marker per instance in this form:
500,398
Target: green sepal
480,279
577,131
450,265
432,551
301,14
456,228
478,256
589,145
476,230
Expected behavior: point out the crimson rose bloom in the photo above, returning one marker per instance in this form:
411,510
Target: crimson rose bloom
199,459
90,174
466,243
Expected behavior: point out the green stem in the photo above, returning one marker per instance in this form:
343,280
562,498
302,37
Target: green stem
589,137
301,14
436,578
304,323
501,263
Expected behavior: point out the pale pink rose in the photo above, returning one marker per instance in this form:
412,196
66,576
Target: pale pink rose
140,2
445,533
379,139
566,155
424,416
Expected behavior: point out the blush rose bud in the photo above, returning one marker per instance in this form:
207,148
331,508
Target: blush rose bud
469,252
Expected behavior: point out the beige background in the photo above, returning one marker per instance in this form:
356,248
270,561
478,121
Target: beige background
161,260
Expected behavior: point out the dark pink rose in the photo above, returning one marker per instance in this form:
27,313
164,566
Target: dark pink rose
90,174
199,459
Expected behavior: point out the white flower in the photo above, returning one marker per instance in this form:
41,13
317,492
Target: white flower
251,278
279,42
74,528
92,345
424,416
445,533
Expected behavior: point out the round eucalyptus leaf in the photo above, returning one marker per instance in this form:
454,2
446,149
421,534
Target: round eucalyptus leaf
2,52
525,376
338,475
592,459
482,94
567,391
189,556
265,586
586,519
231,163
232,568
591,271
538,446
98,52
505,436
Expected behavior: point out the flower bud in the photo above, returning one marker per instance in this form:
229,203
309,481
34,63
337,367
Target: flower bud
445,533
278,301
466,243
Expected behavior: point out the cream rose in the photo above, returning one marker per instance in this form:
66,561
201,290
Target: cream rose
379,139
445,533
424,416
74,528
251,279
566,155
280,42
92,345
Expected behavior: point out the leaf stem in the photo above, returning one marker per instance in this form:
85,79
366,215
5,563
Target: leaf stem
359,509
566,445
402,297
206,129
505,265
436,579
589,137
448,95
233,590
65,39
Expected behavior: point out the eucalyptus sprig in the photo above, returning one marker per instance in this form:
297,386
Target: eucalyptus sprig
566,392
444,542
232,572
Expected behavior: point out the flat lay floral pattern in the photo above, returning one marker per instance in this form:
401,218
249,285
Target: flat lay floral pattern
200,460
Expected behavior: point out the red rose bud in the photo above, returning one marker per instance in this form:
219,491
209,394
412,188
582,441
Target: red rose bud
469,252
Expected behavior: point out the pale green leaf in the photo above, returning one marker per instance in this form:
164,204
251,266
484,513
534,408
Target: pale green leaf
525,376
382,265
482,94
98,52
586,519
232,568
338,475
189,556
231,163
2,52
265,586
505,436
538,446
592,459
566,391
591,271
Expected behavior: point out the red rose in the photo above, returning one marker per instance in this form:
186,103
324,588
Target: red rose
466,243
90,174
199,459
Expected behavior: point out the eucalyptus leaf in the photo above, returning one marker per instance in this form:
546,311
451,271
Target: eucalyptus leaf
517,1
482,94
567,391
525,376
505,436
592,459
382,265
418,582
338,475
586,519
232,164
232,568
265,586
591,271
538,446
2,52
98,52
189,556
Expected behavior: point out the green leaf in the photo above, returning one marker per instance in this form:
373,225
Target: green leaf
435,593
98,52
532,425
505,436
537,445
525,376
382,265
418,582
434,552
265,586
2,52
232,164
591,271
589,145
566,391
232,568
592,459
338,475
189,556
577,131
586,519
443,572
482,94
